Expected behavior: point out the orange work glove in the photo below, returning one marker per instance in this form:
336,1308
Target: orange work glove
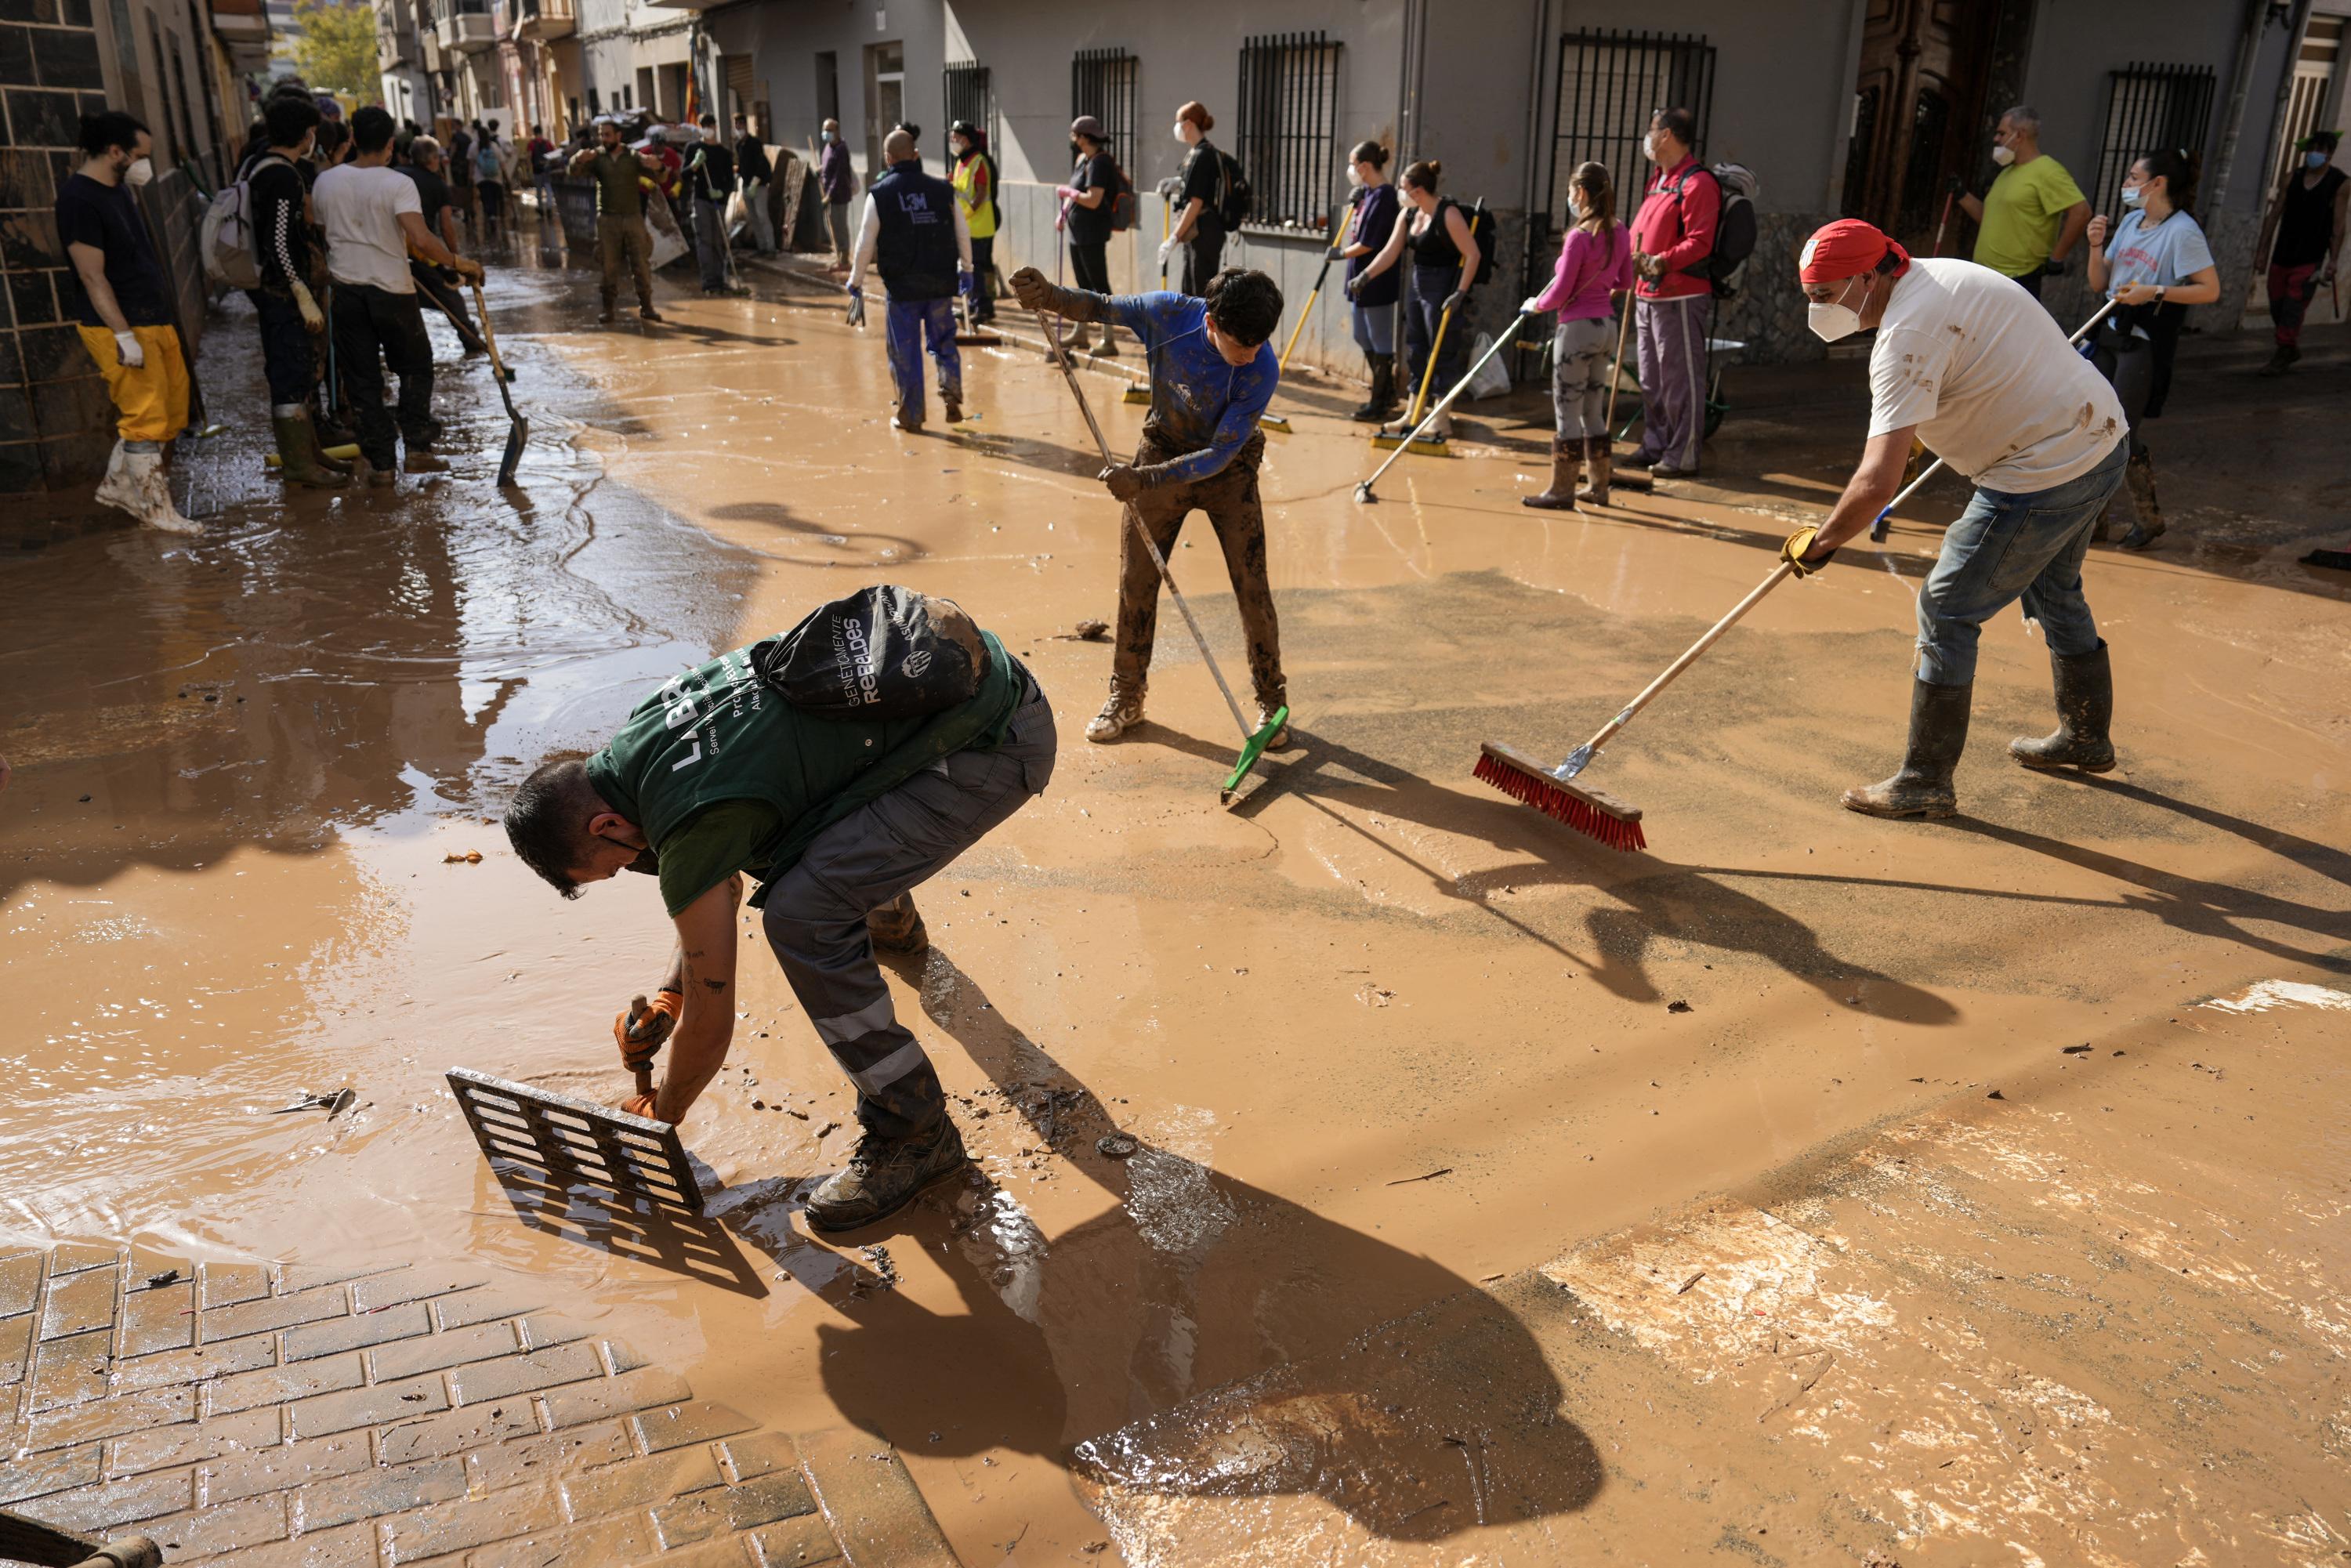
640,1031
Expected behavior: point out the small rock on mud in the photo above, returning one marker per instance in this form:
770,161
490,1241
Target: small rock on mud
1117,1145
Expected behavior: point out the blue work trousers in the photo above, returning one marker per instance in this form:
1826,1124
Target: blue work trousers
907,325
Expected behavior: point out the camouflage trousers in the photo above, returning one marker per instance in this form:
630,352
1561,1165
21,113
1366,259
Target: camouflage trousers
1230,497
815,912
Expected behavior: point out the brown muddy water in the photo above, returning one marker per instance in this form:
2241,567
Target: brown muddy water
1382,1036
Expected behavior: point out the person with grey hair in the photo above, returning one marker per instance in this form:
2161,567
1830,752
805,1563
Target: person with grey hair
838,184
2034,216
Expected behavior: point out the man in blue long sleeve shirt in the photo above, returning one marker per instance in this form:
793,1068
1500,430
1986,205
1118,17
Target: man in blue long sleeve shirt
1213,371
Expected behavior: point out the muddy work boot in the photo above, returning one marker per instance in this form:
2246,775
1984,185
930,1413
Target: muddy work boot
1939,733
884,1175
2286,356
1565,461
116,489
1265,712
1380,406
897,926
904,416
951,399
142,467
1597,462
2085,709
297,449
647,313
2139,473
1118,715
611,312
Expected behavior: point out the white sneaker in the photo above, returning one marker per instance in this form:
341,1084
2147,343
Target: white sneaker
154,508
1281,741
1118,715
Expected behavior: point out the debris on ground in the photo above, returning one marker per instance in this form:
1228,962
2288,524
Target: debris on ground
1117,1145
1431,1176
334,1104
1085,631
1677,1007
471,857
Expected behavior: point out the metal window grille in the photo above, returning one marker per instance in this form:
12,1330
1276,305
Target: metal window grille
1102,83
1610,85
1287,126
969,97
2150,107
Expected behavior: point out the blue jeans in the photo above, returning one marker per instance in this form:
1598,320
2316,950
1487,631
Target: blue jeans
2008,547
1375,328
911,322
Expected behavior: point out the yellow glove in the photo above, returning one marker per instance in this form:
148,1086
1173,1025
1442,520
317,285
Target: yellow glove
1794,552
640,1031
304,302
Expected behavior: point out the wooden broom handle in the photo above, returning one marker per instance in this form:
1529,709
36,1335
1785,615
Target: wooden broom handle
1714,633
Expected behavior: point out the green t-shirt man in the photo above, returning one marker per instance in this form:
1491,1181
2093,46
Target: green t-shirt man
2022,214
615,172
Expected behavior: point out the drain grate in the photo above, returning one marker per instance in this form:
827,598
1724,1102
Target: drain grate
576,1140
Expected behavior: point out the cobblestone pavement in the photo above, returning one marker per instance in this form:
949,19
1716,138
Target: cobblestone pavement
267,1415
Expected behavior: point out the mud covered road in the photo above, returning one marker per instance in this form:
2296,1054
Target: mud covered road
1390,1043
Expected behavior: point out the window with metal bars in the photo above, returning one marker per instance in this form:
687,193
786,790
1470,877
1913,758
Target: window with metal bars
1285,129
1610,85
1102,83
970,99
2150,107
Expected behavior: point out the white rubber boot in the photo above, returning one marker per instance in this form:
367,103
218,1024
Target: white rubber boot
116,489
142,463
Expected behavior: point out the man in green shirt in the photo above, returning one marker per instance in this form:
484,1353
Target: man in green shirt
2034,216
714,777
620,232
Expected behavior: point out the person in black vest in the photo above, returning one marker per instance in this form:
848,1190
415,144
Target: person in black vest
916,236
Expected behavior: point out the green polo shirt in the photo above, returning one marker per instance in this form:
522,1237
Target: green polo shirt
2022,212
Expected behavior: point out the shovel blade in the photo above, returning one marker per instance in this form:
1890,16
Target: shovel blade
1251,752
518,432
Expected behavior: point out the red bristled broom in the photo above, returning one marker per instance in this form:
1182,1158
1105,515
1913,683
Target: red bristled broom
1587,810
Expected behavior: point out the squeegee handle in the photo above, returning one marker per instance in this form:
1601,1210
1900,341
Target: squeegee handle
1500,343
1714,633
1070,374
1877,530
1306,309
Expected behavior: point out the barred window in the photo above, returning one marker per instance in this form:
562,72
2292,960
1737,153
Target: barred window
1610,85
1286,129
1102,83
2150,107
970,99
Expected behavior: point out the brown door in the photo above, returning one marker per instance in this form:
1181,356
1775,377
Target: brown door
1918,109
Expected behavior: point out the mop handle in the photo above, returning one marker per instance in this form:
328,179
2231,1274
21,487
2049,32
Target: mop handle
1608,730
1617,368
1199,639
1446,402
1881,527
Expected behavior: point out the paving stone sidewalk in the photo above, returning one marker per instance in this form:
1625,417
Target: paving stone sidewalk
269,1416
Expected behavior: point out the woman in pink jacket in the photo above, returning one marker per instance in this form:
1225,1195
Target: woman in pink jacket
1595,262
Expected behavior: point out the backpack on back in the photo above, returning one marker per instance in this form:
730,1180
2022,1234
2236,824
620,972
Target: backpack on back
229,239
1122,203
1734,226
1482,229
1235,200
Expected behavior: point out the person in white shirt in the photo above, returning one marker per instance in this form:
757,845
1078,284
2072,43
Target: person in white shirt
1972,365
373,220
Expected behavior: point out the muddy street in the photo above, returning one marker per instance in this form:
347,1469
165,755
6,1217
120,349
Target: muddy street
1807,1188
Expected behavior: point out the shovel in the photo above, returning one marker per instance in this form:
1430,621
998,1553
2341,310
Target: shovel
517,427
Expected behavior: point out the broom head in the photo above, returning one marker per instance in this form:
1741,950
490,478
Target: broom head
1588,812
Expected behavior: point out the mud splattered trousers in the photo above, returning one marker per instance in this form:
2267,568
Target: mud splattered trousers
374,327
815,914
1230,497
2005,548
2291,290
2128,363
624,241
1581,351
1673,378
151,404
909,324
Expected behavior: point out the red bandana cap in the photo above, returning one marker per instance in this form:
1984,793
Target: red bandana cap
1846,249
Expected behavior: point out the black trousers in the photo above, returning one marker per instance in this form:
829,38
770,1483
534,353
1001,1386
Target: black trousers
287,360
983,260
1204,253
1089,264
374,329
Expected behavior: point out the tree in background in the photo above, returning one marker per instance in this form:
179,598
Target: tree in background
335,49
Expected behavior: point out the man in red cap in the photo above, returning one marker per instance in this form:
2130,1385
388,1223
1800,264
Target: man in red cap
1972,365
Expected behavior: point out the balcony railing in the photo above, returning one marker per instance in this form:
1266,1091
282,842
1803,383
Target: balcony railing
545,19
468,30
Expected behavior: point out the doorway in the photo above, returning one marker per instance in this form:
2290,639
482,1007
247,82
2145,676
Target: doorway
885,99
1918,102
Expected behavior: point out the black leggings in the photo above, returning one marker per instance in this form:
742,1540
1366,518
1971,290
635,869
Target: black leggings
1090,264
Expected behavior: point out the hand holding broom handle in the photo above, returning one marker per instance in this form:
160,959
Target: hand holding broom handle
1581,758
1884,525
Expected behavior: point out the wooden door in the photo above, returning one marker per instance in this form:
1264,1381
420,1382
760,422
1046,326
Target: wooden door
1918,111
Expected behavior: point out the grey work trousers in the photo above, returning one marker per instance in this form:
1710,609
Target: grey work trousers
815,912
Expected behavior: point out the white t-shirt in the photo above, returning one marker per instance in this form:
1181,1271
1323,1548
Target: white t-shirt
360,209
1987,376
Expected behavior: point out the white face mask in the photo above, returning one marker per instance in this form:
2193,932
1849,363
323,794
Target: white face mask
1181,126
141,170
2003,155
1354,177
1831,319
1649,147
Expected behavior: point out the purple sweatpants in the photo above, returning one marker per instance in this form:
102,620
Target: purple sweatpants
1673,379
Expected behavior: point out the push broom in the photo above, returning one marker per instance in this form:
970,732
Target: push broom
1413,443
1253,741
1589,811
1884,523
1382,441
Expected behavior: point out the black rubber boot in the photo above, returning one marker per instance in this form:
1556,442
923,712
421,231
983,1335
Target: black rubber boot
884,1175
2085,710
1939,733
1380,405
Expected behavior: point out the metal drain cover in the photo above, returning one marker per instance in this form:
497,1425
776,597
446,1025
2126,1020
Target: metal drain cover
576,1140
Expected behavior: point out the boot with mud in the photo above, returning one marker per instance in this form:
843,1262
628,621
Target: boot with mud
1939,733
298,462
116,489
897,926
646,313
416,462
1265,712
2085,710
611,310
903,417
2139,473
143,469
1121,713
1379,407
1565,460
884,1175
1597,462
2279,361
1107,347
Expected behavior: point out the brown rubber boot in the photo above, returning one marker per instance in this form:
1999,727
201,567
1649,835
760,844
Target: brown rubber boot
1565,460
2139,473
2085,712
1597,462
1939,733
897,926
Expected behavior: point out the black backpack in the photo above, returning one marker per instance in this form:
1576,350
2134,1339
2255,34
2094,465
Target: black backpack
1482,229
1122,203
1734,225
1235,200
884,651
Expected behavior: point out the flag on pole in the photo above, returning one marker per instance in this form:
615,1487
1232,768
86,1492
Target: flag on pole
692,100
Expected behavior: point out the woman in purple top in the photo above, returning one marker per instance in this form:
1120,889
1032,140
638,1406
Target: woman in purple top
1595,262
1374,206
